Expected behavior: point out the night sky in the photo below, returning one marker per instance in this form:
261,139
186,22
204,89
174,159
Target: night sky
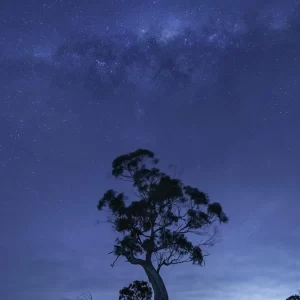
212,87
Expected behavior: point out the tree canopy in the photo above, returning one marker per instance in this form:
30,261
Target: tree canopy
294,297
138,290
157,225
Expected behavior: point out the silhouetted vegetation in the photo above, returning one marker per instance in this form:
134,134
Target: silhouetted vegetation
138,290
157,225
294,297
85,296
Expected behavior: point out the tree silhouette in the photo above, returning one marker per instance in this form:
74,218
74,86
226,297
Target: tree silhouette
294,297
156,227
138,290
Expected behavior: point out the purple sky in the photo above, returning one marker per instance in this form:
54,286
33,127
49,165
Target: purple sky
77,90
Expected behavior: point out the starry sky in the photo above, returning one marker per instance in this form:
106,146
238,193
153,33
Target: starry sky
212,87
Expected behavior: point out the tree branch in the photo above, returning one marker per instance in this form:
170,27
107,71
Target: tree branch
133,260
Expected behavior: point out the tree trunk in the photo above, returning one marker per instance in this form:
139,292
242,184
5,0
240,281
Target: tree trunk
159,288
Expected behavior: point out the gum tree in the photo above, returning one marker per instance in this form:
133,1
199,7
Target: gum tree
156,227
138,290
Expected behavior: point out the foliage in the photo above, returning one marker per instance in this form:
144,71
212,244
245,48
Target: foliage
294,297
138,290
85,296
164,214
